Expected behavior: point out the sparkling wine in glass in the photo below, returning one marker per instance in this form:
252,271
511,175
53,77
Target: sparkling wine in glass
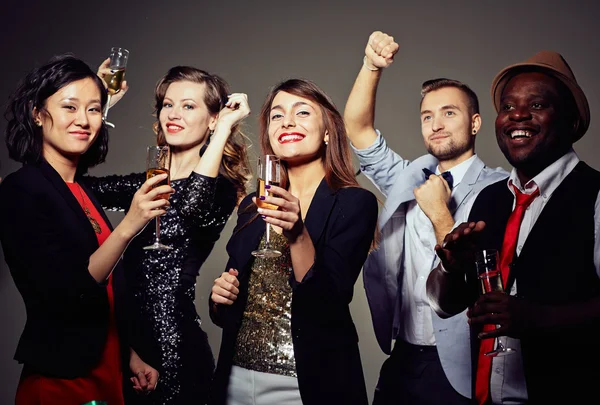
487,263
114,79
269,173
158,161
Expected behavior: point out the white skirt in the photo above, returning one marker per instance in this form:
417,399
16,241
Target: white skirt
248,387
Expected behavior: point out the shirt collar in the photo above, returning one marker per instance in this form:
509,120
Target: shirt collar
459,171
549,178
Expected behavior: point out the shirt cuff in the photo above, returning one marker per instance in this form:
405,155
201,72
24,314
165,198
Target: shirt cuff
373,153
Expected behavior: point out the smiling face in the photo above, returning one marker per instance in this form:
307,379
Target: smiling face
446,124
71,120
296,128
184,118
534,124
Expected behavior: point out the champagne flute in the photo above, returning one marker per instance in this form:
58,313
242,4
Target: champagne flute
158,161
487,263
269,173
114,79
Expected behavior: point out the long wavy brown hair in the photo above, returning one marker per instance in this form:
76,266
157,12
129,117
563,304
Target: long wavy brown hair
337,158
336,155
234,164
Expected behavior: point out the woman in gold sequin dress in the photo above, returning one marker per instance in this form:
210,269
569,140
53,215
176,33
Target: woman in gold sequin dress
192,107
288,336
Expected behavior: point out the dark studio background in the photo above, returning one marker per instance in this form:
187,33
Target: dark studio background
255,44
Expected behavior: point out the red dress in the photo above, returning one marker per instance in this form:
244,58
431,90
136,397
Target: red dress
104,382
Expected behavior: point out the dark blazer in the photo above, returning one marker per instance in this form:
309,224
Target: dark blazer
341,225
47,242
555,268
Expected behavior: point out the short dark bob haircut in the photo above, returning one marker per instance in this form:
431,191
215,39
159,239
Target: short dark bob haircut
24,138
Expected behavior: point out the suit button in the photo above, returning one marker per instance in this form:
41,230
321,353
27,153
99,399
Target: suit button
81,296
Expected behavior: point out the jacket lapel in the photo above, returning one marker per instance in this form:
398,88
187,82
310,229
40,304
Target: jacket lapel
466,185
319,211
411,177
61,187
244,241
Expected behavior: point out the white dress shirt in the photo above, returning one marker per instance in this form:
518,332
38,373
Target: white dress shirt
507,383
415,324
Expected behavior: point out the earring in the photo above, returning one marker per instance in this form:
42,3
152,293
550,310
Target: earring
203,148
326,143
474,132
38,123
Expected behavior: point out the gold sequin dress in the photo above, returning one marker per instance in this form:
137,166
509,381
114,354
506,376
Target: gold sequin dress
264,341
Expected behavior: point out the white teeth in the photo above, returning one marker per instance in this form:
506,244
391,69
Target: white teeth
519,133
174,127
292,137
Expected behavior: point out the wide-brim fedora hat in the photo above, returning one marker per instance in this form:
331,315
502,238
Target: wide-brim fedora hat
553,64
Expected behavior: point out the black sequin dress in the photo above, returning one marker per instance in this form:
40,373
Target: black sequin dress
165,327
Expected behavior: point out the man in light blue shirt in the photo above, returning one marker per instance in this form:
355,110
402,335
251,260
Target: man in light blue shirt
422,198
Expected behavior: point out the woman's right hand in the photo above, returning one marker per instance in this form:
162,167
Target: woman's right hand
146,205
234,111
103,70
225,289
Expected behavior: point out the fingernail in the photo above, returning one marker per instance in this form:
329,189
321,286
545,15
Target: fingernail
268,186
263,216
260,210
262,197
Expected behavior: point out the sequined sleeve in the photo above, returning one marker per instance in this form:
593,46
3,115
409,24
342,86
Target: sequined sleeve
115,192
207,201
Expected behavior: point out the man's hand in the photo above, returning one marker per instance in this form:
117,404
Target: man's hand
457,252
380,50
433,197
513,315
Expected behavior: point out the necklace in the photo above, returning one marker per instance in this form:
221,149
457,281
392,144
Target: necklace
88,214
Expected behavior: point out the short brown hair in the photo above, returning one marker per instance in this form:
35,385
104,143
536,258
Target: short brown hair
436,84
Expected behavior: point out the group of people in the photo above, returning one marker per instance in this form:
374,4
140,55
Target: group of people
108,320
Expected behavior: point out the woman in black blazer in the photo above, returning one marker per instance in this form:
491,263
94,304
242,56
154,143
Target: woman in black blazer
61,250
288,336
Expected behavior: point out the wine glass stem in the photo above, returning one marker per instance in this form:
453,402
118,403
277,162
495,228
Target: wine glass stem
107,107
267,237
157,232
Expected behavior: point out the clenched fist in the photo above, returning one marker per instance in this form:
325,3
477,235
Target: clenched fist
380,50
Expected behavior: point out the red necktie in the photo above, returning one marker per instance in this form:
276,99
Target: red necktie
509,245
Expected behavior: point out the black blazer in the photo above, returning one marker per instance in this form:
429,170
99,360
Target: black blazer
341,225
47,242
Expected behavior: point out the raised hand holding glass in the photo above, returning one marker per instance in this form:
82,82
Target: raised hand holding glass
114,79
269,173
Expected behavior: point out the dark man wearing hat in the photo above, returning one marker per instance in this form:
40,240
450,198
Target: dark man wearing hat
545,222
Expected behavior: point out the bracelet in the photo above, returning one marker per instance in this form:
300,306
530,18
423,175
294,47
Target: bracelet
372,69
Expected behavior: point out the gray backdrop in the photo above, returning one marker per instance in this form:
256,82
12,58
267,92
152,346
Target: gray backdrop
254,44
